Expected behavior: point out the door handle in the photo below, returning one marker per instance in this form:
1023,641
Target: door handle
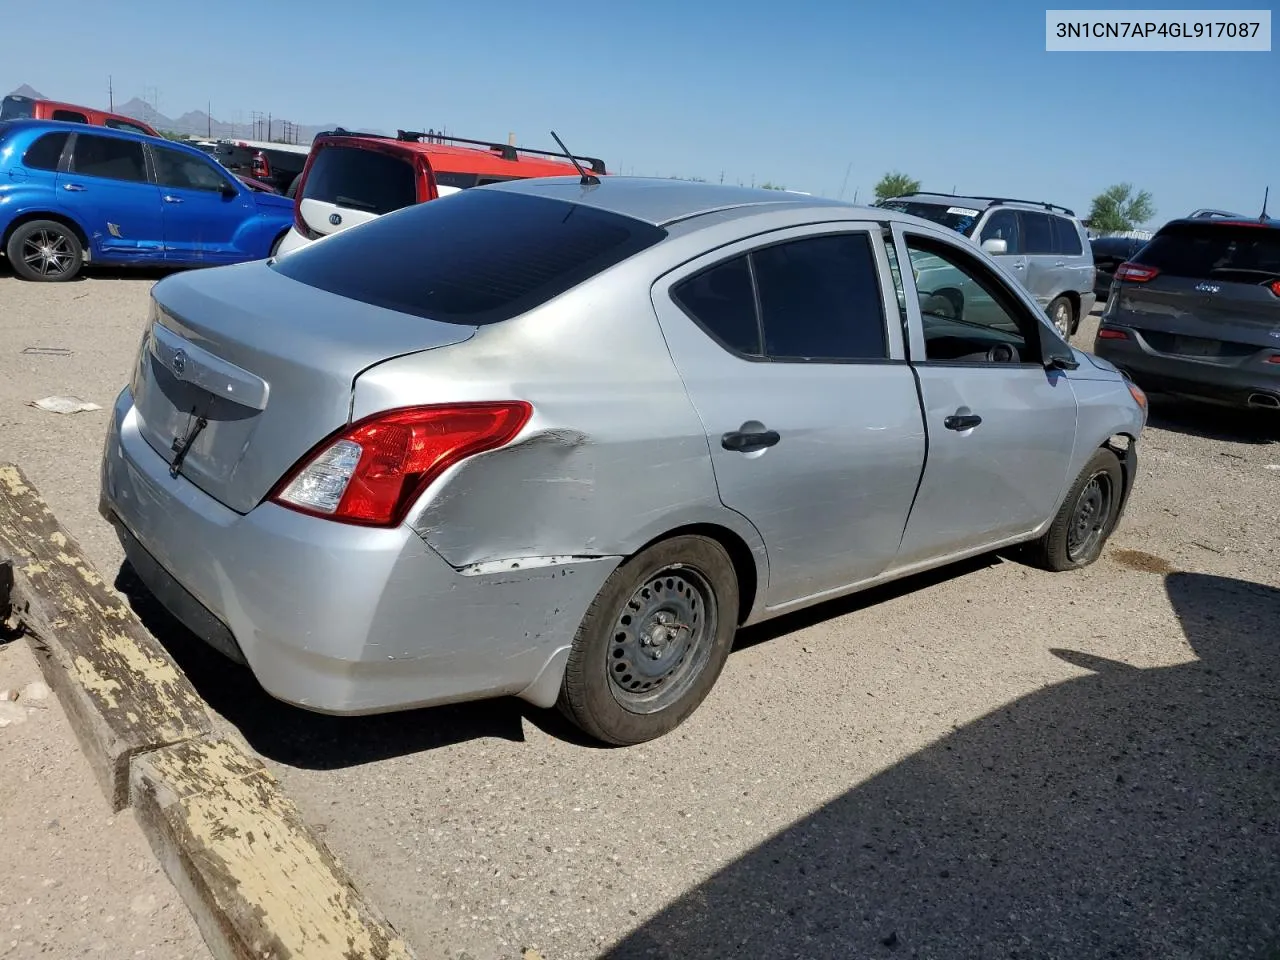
1019,265
746,442
1061,263
962,421
171,199
73,187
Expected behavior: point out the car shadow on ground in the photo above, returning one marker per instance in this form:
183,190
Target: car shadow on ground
1213,422
1125,813
309,740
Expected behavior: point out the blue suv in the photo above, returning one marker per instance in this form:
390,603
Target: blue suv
72,194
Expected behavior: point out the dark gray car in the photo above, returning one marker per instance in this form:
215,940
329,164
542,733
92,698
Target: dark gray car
1196,312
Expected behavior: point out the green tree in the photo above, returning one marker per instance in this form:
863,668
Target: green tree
895,184
171,135
767,185
1117,209
691,179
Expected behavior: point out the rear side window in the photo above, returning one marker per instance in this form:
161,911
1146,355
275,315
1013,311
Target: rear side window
108,157
115,124
1202,251
475,257
70,116
45,152
819,300
1037,233
360,180
722,301
1066,239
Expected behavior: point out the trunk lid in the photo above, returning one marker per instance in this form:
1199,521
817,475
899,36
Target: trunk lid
268,362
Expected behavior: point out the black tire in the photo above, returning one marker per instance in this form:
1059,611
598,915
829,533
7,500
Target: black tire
45,251
631,677
275,247
1078,533
1063,315
293,187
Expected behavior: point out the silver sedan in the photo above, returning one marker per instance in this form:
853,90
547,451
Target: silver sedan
560,439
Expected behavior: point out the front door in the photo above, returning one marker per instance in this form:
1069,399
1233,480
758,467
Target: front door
106,185
201,222
809,409
1001,426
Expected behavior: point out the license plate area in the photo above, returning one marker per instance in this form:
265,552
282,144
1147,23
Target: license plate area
1197,347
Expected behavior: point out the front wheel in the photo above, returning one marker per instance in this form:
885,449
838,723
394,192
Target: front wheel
45,250
1063,316
1086,518
653,642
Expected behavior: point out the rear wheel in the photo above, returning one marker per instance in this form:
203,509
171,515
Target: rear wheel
653,642
45,250
275,247
1086,518
1063,315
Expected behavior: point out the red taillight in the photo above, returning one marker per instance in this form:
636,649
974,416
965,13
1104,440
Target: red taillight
1107,333
372,472
261,166
1274,358
1275,287
1135,272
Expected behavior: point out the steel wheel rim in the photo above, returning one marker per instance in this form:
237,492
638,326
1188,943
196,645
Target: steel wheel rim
1090,516
47,252
1062,318
662,639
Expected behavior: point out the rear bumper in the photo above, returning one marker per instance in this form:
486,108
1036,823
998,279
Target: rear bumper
336,618
1233,384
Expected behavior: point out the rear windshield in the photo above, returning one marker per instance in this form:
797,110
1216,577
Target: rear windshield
475,257
961,219
15,108
360,180
1222,251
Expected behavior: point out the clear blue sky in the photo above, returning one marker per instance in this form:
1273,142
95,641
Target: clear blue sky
954,93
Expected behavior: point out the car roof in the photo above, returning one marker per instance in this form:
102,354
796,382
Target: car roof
982,203
451,158
1270,223
72,126
662,202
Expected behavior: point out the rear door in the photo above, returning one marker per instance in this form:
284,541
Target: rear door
1214,296
347,185
107,186
1044,261
1001,428
201,223
810,411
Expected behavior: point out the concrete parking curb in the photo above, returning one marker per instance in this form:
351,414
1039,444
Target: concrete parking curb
258,881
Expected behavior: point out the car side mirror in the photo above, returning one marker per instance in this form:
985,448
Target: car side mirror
229,190
995,246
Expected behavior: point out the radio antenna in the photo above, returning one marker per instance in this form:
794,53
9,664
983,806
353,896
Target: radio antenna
587,178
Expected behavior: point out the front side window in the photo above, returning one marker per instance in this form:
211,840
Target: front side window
108,157
45,152
967,314
1003,225
811,300
184,171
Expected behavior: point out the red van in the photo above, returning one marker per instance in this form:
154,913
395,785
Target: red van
15,107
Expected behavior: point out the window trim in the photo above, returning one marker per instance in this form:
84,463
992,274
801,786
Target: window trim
744,246
915,342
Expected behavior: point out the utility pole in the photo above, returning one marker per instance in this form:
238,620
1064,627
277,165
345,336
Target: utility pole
111,95
208,105
268,128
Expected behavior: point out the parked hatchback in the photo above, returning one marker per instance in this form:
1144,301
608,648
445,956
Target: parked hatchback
1045,246
1196,312
560,443
71,194
351,178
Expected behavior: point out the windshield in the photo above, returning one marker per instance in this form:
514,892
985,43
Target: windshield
15,108
960,219
1215,250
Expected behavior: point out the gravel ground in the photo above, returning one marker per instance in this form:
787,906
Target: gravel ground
987,761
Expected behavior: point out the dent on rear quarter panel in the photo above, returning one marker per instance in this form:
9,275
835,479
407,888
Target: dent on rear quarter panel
614,456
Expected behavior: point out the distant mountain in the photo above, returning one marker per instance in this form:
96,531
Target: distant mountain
197,123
